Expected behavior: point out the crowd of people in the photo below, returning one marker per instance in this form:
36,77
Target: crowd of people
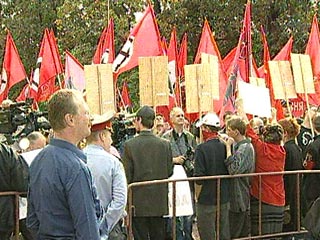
77,182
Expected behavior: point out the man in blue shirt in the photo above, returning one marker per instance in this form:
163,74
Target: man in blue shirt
62,200
108,174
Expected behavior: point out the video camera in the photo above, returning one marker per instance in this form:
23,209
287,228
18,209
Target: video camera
123,129
188,163
21,114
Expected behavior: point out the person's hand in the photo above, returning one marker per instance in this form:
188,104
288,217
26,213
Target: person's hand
273,115
225,139
239,104
309,115
179,160
240,111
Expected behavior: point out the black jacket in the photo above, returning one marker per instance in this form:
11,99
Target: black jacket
311,181
148,157
209,161
14,173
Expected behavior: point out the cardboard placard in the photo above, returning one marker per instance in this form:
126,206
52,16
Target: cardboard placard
205,88
153,81
302,72
99,88
198,88
212,73
192,76
259,82
282,80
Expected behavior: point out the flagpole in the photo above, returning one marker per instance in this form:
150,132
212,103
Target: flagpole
59,81
108,11
307,100
179,89
121,99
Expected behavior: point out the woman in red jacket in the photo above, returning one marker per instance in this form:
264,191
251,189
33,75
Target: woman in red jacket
270,157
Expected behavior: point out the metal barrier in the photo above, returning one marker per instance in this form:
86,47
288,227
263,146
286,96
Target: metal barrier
218,178
16,213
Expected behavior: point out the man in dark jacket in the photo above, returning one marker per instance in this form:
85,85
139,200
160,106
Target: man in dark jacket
311,187
209,161
13,177
148,157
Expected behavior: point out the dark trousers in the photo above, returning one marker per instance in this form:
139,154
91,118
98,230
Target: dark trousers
183,228
148,228
239,224
5,235
271,218
26,233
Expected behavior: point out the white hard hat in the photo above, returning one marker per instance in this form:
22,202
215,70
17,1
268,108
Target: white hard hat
210,119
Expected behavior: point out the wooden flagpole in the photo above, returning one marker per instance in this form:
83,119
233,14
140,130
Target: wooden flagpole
121,99
108,11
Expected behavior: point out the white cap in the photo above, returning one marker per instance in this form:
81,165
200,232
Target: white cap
210,119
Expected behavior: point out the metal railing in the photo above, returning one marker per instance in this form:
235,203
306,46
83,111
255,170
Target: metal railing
16,212
218,178
192,179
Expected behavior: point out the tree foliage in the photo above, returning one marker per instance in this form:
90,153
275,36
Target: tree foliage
78,24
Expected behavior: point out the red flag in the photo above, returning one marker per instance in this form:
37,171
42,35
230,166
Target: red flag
74,73
125,96
144,41
55,52
105,48
172,49
284,54
164,45
24,94
228,60
276,103
313,49
245,60
172,53
181,62
48,66
12,68
242,67
183,55
208,45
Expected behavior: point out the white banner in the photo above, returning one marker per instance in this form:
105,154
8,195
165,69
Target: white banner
256,100
183,194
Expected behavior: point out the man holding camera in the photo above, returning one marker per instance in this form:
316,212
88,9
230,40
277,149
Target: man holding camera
182,144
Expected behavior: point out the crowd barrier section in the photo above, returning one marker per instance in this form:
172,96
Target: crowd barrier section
16,211
193,179
218,178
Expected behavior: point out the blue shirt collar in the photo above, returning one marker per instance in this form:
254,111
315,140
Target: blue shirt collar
69,146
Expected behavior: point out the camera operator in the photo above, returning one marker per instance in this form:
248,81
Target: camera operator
182,145
122,130
18,119
13,177
35,142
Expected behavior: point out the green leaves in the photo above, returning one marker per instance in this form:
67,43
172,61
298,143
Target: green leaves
78,24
